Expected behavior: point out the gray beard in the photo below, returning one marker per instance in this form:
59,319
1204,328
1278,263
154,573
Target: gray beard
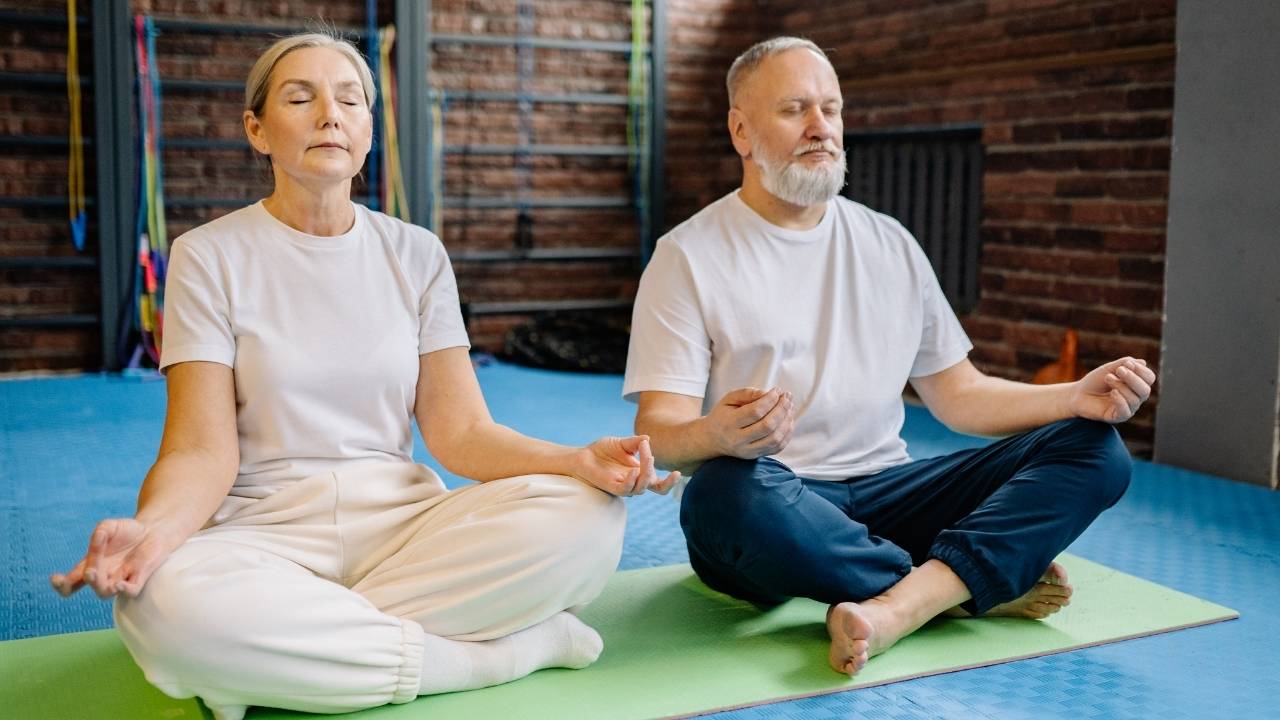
792,182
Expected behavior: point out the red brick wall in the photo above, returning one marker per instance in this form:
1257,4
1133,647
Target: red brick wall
237,173
704,36
29,170
1075,99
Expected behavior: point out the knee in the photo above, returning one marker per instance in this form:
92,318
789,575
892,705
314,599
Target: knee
178,624
735,496
1112,466
578,520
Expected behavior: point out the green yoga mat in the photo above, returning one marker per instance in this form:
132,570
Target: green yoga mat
672,648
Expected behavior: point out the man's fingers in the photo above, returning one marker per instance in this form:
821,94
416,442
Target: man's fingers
1135,383
771,420
1131,399
753,412
741,396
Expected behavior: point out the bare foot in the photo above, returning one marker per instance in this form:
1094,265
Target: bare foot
858,632
1050,594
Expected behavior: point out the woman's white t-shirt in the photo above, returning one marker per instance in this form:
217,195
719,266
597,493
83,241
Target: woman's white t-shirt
323,335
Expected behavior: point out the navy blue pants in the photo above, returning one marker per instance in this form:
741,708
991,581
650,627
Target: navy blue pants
997,516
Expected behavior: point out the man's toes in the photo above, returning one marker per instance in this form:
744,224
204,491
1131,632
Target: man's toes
1055,574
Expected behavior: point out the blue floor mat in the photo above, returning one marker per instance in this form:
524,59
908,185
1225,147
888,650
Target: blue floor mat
73,450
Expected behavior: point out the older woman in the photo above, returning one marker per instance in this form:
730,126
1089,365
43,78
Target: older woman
286,550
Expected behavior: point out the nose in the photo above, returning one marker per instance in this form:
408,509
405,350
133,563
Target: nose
821,127
329,112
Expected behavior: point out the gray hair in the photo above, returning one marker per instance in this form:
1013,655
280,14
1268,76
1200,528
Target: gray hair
259,81
748,61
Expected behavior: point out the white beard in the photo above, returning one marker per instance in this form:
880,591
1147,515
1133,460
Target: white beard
792,182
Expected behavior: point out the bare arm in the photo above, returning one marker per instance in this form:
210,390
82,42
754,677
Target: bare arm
969,401
199,453
195,468
460,433
746,423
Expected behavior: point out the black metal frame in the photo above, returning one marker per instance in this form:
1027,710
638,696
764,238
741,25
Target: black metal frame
415,98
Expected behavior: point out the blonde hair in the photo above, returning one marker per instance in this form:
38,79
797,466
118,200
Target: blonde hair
747,62
259,81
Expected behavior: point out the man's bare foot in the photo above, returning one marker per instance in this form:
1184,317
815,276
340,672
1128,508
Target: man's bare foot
858,632
1050,594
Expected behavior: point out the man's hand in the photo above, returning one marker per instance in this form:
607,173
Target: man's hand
1113,392
749,423
621,466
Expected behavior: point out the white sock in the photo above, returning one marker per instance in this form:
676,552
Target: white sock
560,641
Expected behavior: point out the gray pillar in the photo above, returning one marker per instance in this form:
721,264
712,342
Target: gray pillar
1220,361
413,111
113,143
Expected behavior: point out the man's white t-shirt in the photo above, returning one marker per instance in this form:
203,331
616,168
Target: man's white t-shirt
323,335
840,315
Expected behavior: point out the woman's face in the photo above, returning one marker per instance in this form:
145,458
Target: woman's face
315,123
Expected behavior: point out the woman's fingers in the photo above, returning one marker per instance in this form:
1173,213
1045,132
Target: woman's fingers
70,582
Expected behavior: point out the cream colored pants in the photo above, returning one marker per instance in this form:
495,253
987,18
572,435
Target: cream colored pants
316,598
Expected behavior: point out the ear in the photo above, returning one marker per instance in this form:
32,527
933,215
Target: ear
738,132
253,130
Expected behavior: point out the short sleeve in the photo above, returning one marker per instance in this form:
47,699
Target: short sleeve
943,341
670,349
440,323
197,313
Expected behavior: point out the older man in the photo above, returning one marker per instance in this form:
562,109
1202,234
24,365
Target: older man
773,334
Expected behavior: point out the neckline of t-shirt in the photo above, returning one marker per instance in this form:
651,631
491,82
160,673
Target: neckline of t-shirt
813,234
316,241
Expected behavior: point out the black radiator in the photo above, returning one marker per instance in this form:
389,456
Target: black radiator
930,180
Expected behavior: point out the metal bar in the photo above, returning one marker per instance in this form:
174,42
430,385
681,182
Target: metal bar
213,28
532,306
73,261
202,85
39,201
497,96
50,321
413,115
657,128
968,299
920,188
955,215
534,42
24,78
206,143
40,140
937,213
543,255
114,145
490,203
932,132
11,18
534,149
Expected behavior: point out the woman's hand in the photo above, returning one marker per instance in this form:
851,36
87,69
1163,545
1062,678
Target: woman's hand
621,466
123,552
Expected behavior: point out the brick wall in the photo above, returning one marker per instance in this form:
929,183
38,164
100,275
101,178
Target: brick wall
35,229
194,174
1075,99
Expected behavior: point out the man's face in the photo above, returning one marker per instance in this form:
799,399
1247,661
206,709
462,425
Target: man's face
791,107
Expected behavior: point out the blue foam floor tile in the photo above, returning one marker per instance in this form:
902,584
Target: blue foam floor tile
73,450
